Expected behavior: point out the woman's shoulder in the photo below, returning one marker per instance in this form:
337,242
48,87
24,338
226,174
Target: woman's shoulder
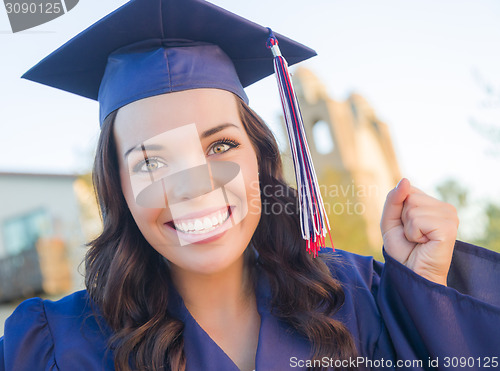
43,333
67,304
40,312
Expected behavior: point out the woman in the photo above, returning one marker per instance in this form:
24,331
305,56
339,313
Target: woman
191,271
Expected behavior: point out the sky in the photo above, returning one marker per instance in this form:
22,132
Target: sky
416,62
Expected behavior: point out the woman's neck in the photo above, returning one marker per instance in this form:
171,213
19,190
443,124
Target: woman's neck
219,295
224,305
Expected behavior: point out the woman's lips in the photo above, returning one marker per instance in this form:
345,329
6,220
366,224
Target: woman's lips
205,228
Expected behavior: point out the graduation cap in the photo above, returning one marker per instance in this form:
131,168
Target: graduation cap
152,47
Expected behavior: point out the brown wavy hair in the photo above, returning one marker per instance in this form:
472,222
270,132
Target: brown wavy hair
128,279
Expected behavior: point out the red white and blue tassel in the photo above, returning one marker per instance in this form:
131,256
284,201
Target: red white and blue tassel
313,220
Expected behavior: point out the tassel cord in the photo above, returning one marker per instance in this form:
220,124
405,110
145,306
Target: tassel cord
313,220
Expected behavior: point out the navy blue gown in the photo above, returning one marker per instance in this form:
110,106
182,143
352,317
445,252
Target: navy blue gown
394,315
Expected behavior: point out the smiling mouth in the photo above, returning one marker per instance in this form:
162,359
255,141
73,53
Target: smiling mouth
203,224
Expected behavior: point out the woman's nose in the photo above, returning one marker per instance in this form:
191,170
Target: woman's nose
188,184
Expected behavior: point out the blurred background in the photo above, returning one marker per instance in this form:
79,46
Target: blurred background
398,89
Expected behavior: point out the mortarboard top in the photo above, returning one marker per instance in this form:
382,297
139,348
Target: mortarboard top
151,47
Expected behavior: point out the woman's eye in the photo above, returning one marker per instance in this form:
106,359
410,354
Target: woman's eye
222,146
149,165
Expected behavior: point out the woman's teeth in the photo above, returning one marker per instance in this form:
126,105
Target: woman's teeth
202,225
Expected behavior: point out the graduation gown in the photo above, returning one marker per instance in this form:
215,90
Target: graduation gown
394,315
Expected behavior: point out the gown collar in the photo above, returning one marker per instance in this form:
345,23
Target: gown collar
277,344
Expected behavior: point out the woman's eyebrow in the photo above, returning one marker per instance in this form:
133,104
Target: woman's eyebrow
205,134
141,147
216,129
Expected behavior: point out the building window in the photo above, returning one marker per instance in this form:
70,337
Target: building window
322,136
354,111
376,127
22,232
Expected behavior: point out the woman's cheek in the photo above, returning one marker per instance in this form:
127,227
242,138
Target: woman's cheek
253,197
144,217
254,207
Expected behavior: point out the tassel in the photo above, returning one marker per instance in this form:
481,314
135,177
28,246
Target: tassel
313,221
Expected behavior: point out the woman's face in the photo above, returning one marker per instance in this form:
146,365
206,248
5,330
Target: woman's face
189,175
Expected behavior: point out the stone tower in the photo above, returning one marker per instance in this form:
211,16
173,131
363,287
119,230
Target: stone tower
353,156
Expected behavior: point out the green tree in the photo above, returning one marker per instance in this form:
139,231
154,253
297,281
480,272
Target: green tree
489,128
452,192
491,239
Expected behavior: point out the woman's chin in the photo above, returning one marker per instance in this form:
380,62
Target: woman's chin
210,264
208,256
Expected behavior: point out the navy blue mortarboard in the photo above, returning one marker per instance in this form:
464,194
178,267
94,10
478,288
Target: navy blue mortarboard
151,47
